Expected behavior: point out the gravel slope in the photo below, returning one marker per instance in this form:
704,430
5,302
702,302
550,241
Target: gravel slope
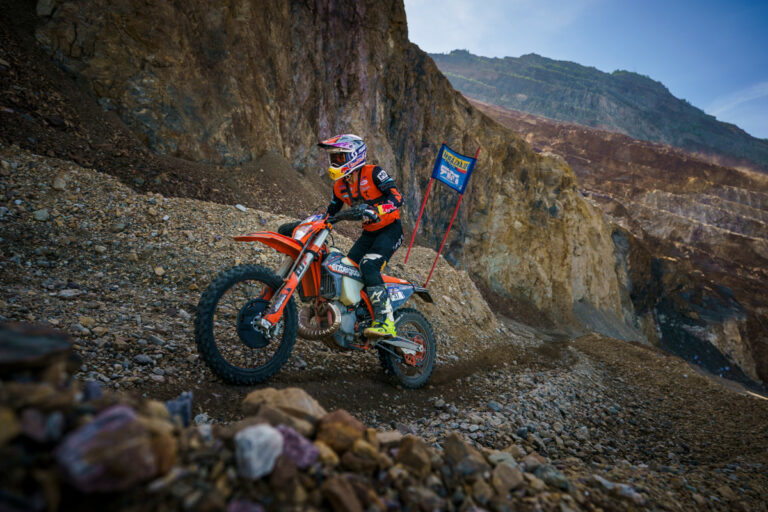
122,272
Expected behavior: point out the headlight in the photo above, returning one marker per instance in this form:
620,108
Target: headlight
306,226
301,231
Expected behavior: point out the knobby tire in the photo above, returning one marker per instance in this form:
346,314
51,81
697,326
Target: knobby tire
389,362
204,336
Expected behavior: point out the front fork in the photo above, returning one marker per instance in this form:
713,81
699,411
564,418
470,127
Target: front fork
275,311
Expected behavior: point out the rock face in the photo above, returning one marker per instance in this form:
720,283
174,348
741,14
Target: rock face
226,83
621,101
693,236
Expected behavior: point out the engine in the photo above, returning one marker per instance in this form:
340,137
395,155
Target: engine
334,321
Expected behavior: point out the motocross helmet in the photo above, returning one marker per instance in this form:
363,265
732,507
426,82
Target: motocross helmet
346,153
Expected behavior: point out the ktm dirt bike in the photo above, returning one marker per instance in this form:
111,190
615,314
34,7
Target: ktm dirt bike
247,319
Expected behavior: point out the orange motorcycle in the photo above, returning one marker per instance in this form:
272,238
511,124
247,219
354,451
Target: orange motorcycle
247,320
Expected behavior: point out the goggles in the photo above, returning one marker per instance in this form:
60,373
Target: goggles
338,159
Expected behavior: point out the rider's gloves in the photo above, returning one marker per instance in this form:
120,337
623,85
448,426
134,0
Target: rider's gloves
370,215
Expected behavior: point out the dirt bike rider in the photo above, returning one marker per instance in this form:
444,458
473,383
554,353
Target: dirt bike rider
356,183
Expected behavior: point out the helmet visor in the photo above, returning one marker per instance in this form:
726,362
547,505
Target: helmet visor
338,159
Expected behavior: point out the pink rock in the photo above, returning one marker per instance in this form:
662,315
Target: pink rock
111,453
298,448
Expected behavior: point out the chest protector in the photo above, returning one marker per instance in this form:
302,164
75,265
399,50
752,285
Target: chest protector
363,189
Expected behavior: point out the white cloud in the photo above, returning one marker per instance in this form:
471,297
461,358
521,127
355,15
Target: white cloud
728,103
747,108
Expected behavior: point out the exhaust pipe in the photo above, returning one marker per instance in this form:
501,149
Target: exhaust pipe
307,331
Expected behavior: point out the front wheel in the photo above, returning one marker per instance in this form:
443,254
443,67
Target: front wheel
413,371
226,338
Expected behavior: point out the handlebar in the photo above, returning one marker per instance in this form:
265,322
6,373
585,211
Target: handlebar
355,213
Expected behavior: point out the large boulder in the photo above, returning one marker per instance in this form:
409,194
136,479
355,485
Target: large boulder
292,401
465,460
111,453
414,454
340,430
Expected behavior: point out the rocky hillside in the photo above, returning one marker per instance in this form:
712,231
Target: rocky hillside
699,231
621,101
226,84
92,414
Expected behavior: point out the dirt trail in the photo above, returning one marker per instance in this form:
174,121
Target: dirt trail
355,381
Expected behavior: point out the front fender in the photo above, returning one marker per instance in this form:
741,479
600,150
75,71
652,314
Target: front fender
291,248
278,242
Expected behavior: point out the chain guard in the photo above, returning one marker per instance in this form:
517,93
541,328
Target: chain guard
249,335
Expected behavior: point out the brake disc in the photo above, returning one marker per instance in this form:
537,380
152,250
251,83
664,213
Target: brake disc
250,335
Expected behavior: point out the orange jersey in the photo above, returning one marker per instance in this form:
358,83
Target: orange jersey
372,185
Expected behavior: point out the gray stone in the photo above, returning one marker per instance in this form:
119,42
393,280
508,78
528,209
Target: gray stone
180,408
157,340
202,419
42,215
143,359
497,458
257,449
553,477
45,7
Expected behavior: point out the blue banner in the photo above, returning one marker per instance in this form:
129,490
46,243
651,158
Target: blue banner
453,169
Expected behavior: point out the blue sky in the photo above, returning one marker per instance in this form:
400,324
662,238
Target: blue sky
713,53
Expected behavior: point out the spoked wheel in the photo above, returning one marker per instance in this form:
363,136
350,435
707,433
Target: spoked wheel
226,326
412,370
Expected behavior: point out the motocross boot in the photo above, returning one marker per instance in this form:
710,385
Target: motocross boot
384,321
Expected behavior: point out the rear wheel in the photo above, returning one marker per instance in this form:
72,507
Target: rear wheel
226,338
412,370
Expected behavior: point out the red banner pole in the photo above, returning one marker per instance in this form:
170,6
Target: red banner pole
455,211
423,204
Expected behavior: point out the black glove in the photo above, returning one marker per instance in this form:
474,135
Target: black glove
370,215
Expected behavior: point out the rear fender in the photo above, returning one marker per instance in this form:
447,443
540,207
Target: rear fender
407,288
423,294
311,282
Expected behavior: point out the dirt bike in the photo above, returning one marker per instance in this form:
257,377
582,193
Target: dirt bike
247,319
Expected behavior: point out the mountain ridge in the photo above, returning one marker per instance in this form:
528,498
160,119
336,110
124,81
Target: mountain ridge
621,101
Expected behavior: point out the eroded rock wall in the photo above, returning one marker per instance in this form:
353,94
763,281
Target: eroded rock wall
227,81
696,236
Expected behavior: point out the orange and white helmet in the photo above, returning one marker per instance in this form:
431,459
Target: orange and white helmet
346,153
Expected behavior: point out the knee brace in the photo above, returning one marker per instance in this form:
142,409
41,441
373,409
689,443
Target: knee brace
370,267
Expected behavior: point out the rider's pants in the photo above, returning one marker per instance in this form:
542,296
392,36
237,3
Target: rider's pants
374,249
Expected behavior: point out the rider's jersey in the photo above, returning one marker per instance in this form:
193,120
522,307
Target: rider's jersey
372,185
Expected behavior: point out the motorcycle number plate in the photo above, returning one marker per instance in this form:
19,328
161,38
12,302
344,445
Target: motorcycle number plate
396,294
